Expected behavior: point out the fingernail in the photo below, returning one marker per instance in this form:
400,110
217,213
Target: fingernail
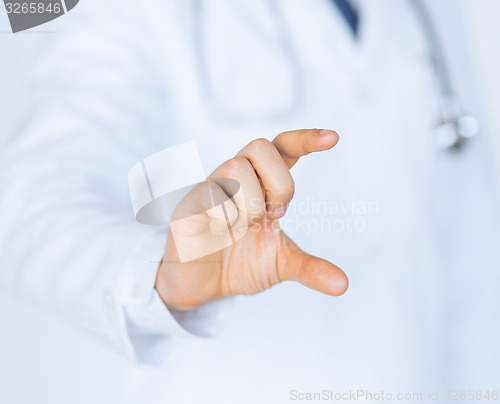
326,131
243,229
280,212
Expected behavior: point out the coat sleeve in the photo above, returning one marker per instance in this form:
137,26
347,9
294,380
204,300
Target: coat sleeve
68,239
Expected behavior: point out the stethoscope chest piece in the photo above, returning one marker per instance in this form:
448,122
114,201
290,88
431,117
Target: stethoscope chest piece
455,128
453,133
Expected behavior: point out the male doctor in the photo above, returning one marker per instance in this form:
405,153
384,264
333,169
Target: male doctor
416,228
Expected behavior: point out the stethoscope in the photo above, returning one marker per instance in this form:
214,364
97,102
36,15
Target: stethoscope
455,127
453,130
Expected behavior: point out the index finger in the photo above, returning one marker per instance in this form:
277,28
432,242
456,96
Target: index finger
297,143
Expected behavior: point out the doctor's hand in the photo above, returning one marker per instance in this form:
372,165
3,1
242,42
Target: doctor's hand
225,237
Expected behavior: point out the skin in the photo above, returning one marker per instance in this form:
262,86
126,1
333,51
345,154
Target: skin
263,255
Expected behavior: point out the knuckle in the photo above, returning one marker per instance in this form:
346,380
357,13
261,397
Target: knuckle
236,164
259,144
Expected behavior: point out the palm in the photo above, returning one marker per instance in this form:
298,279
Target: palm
250,265
253,263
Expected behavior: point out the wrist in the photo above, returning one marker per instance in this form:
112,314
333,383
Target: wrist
175,299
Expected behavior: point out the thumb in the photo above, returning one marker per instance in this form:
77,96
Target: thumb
313,272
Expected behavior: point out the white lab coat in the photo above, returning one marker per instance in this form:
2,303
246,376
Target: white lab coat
416,229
